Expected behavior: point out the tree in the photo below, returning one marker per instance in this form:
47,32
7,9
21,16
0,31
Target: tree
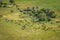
4,5
48,13
43,10
1,3
51,14
33,10
12,1
41,15
27,10
48,19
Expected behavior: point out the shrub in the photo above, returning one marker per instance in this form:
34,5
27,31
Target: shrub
44,27
57,21
18,8
4,5
37,7
1,15
21,10
27,10
42,19
1,3
43,10
11,11
58,26
11,1
51,14
23,27
41,15
48,19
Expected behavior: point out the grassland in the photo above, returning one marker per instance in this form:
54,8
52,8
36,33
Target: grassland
12,29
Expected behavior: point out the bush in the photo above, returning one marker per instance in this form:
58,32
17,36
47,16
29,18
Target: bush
11,1
42,14
11,11
48,19
57,21
37,7
23,27
44,27
52,15
42,19
27,10
21,10
1,15
4,5
1,3
58,26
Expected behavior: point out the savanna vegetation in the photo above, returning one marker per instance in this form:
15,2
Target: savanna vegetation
29,20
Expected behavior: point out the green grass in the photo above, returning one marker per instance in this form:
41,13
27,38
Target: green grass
11,31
